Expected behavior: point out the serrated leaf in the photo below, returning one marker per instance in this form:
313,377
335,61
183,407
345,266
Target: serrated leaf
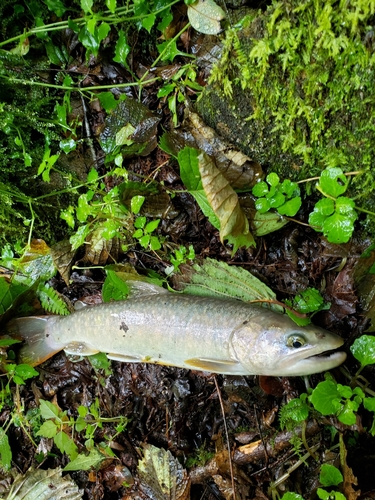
217,279
107,100
25,371
66,445
205,16
168,51
85,462
234,225
162,474
48,410
48,429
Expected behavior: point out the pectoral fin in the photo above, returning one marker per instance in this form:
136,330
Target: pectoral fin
124,358
80,349
214,365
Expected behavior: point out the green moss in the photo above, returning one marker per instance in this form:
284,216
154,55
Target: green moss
295,89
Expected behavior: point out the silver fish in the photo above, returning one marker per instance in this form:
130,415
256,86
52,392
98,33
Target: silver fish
210,334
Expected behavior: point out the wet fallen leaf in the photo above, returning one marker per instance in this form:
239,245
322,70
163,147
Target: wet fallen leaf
234,225
162,475
217,279
205,16
44,485
63,258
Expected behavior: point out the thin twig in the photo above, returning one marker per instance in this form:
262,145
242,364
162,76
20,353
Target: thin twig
227,437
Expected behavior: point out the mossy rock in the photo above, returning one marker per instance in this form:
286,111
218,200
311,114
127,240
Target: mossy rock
294,89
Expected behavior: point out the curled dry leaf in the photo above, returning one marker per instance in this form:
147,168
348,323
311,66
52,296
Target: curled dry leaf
44,485
162,475
63,258
234,225
205,16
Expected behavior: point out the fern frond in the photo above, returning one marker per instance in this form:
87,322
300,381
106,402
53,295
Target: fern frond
51,300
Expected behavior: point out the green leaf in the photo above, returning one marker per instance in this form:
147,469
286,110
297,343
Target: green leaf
8,342
56,6
332,495
260,189
48,429
310,300
48,410
189,168
78,239
85,462
144,240
92,175
68,145
166,89
148,22
111,5
151,226
169,51
338,228
86,5
100,362
330,475
103,31
262,205
114,287
5,450
291,207
326,398
66,445
107,100
291,496
140,222
333,181
136,203
25,371
155,243
273,179
363,349
122,49
277,200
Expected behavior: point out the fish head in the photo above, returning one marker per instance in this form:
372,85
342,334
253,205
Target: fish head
274,345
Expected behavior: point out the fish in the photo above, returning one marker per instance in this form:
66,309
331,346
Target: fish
217,335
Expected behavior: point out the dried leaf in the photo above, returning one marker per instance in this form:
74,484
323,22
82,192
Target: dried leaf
205,16
44,485
349,478
234,225
62,256
162,475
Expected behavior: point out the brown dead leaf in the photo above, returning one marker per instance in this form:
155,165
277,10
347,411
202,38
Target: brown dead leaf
63,256
349,478
234,225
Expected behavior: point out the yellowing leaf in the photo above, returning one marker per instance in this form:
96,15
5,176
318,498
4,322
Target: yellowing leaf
234,225
205,16
162,475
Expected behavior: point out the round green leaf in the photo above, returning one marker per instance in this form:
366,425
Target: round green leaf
262,205
338,228
363,349
333,181
273,179
277,200
291,207
330,475
326,398
325,207
260,189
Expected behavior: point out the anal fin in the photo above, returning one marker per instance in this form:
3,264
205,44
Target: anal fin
124,358
213,365
80,349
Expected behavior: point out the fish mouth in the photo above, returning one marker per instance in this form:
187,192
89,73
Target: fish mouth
318,363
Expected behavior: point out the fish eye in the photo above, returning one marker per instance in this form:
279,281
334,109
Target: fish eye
296,341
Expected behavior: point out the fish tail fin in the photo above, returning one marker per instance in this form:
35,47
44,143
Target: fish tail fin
35,331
